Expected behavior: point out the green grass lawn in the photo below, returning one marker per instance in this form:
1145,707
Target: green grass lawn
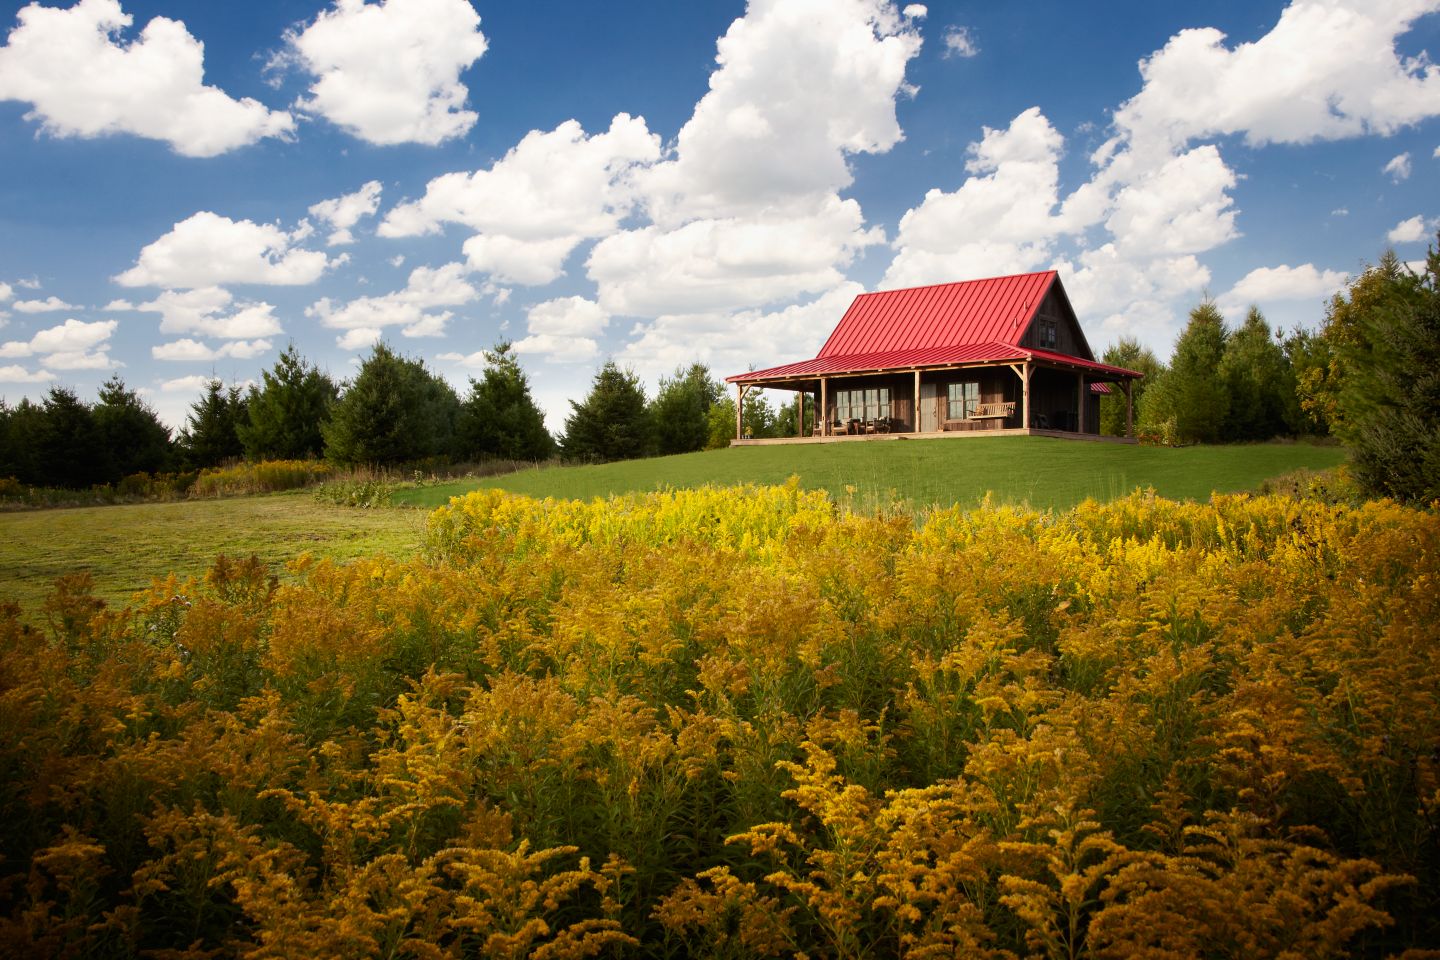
123,547
1040,471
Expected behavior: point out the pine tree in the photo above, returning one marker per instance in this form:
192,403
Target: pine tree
1388,397
612,422
211,435
681,409
1260,383
286,414
67,446
1189,400
395,411
131,437
500,417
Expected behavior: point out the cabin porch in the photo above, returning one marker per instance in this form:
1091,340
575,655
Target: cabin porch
996,399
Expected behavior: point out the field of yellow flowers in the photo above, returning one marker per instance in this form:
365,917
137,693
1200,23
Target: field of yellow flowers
746,722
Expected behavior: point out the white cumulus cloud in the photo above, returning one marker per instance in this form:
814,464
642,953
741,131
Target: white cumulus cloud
82,80
48,305
14,373
409,308
1328,69
1268,284
734,263
207,250
211,311
191,384
72,345
193,350
1001,220
389,72
563,330
344,212
535,205
800,87
1412,230
734,341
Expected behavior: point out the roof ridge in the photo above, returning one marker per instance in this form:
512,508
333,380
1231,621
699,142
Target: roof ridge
956,283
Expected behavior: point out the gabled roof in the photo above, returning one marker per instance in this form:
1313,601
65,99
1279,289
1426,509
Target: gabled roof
945,325
960,355
997,310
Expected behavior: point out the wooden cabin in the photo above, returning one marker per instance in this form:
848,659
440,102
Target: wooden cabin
1002,355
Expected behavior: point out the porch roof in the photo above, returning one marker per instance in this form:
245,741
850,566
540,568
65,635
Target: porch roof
965,354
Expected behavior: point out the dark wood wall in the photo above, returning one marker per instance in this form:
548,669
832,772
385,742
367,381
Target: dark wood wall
1052,394
1068,339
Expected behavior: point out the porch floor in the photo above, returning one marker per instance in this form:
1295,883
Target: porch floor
938,435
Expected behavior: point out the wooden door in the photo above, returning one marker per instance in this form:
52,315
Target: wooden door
929,406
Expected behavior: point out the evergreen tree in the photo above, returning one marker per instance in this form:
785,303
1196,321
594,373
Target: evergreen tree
211,435
66,443
612,422
132,439
395,411
1128,353
1260,383
681,409
286,414
1342,340
24,424
500,418
1388,396
1189,401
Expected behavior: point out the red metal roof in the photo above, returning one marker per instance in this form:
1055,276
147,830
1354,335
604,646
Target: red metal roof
993,311
945,325
924,358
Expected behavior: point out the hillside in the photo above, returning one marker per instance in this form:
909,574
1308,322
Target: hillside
1041,472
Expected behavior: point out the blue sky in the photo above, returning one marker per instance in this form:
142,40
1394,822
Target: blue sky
186,188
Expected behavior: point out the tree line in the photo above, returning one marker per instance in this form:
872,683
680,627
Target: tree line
1368,375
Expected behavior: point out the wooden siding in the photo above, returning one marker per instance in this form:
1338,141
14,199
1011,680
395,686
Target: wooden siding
1068,339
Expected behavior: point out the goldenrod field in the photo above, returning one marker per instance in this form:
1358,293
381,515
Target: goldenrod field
746,723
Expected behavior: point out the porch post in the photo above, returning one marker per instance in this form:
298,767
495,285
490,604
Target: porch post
799,413
739,406
1025,393
1129,410
916,412
1080,403
823,414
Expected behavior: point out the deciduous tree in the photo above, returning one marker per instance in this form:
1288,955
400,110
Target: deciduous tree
1128,353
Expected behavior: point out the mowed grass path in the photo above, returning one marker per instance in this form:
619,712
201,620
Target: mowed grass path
1042,472
124,547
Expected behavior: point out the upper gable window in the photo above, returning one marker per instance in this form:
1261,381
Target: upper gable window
1045,333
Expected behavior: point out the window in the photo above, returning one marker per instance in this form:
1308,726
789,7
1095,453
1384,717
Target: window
862,404
964,398
1045,333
